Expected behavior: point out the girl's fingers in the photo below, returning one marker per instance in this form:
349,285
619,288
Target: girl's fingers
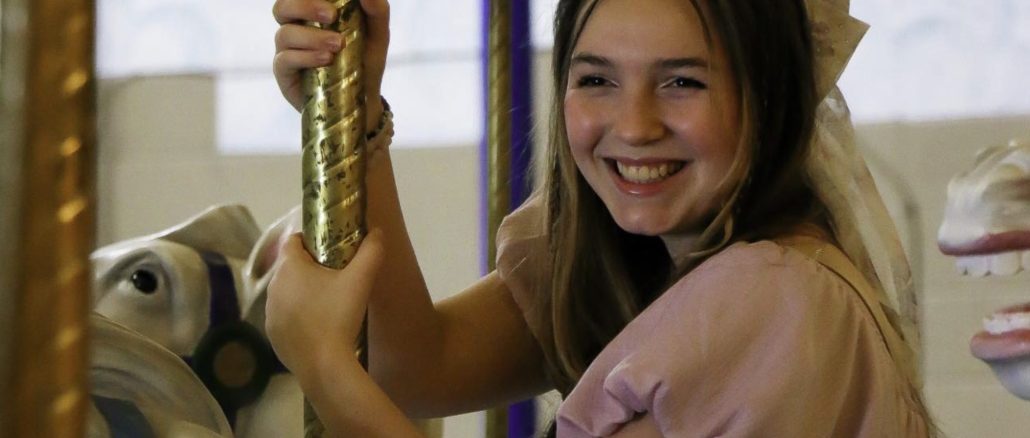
294,245
298,36
292,11
300,46
366,262
286,67
288,63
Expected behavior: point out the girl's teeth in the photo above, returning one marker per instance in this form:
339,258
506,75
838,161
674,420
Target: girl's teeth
647,174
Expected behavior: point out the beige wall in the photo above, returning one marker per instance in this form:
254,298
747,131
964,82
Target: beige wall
159,167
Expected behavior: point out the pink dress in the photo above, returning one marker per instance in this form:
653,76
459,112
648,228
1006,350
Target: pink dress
761,340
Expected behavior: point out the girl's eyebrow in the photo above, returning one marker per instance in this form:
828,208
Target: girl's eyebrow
674,63
664,63
590,59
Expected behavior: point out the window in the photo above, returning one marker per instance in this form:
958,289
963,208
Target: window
921,60
941,59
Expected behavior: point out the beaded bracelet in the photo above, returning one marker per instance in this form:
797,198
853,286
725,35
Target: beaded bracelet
387,114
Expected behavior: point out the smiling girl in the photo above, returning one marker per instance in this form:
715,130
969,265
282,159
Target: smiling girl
679,272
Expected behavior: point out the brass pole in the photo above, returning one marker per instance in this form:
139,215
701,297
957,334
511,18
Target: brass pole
499,153
334,147
333,154
49,390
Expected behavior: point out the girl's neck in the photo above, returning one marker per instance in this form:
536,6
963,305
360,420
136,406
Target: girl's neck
679,245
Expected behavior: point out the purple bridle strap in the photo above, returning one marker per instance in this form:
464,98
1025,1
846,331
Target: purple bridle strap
224,306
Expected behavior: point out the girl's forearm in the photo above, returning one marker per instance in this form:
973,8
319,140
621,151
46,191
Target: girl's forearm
404,327
349,403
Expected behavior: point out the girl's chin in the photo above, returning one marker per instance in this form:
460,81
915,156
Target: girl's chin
657,229
642,227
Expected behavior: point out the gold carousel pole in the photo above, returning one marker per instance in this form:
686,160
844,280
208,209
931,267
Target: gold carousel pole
333,126
48,390
499,153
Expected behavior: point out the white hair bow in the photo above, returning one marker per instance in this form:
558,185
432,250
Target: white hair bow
842,182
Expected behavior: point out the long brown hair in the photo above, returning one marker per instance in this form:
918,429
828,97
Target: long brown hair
603,276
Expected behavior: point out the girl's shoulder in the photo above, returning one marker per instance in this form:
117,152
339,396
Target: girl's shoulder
762,327
793,260
767,277
781,253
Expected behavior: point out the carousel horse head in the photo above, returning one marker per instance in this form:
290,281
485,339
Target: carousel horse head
140,389
987,227
185,289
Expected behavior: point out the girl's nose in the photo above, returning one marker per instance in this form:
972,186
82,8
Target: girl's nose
638,120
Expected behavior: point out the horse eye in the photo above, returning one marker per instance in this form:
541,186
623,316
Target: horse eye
144,281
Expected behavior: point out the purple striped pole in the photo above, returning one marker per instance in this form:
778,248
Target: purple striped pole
521,416
521,102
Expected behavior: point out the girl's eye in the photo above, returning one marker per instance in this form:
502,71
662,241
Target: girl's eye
591,81
687,83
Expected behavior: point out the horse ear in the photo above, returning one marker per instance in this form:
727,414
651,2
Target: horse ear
229,230
258,270
266,251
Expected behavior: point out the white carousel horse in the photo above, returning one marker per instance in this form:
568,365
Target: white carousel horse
183,287
987,226
186,289
140,389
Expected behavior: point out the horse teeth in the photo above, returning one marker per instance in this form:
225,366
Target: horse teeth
1006,322
975,266
1005,263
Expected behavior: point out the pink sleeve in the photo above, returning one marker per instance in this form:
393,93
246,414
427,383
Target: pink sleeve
759,341
522,257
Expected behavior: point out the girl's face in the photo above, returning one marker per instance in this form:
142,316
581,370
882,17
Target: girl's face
651,115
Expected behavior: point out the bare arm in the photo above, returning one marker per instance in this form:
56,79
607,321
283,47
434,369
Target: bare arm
472,351
346,399
465,353
350,404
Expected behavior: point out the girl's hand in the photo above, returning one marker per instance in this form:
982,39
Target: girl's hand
314,313
299,46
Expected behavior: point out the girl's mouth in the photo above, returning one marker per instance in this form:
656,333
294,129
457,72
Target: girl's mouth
646,172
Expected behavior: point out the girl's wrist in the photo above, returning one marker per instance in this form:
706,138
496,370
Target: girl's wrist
349,402
376,111
326,368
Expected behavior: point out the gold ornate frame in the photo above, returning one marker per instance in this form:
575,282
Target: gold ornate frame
49,119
